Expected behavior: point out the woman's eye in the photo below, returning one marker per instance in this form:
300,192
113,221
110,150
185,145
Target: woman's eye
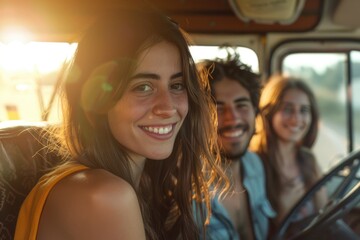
288,110
305,110
143,88
178,86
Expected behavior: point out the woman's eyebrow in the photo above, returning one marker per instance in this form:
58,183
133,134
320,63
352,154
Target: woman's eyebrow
292,103
176,75
154,76
146,76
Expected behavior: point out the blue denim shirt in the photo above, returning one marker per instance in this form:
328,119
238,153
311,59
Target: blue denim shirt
254,178
221,227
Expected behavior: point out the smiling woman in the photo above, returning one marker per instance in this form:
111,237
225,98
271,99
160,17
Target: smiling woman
158,81
287,127
28,73
138,138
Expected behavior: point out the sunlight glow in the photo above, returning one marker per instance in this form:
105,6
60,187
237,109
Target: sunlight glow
15,34
23,87
28,75
40,57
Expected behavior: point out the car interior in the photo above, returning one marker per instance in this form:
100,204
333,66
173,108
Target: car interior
284,36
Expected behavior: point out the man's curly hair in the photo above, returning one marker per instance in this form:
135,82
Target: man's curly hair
231,67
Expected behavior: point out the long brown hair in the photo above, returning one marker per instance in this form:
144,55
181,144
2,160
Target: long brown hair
264,141
106,57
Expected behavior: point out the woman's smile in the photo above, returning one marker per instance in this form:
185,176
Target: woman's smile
159,132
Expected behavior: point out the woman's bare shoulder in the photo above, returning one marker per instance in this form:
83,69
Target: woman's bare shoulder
95,182
93,204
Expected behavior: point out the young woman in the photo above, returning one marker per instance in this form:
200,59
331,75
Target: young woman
138,138
286,129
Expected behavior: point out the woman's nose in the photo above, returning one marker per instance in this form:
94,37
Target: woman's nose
164,105
296,116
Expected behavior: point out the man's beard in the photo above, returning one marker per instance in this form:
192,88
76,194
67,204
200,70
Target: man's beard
235,156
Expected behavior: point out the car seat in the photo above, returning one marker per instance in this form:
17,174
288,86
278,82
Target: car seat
23,160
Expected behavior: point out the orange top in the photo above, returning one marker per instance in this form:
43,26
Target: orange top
30,212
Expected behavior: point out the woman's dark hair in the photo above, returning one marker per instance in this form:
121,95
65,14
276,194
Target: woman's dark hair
106,57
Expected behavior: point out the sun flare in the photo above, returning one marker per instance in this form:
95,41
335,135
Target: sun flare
41,57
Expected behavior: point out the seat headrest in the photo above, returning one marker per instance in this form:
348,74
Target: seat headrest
23,160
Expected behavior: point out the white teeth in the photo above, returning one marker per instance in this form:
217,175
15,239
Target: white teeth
159,130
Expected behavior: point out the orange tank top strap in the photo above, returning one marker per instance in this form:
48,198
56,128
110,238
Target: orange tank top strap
31,209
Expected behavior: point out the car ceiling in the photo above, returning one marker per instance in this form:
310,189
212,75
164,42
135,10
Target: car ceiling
64,20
